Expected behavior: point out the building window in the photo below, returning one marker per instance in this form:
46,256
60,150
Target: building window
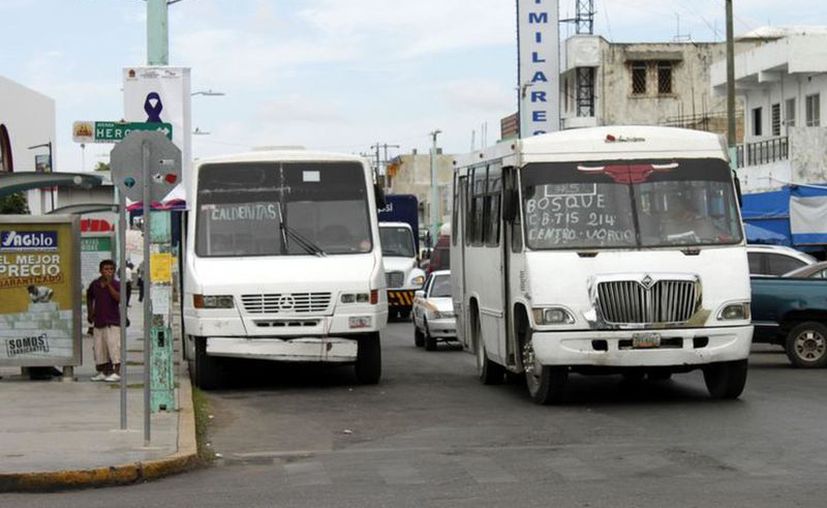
789,111
813,110
664,78
776,119
638,78
756,122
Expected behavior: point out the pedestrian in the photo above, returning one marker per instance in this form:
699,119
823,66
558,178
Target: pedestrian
141,282
128,284
102,303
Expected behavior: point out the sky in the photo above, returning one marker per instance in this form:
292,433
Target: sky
337,75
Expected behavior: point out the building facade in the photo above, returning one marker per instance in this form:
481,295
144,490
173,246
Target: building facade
781,75
411,174
27,136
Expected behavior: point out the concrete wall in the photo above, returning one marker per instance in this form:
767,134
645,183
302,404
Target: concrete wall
412,175
808,154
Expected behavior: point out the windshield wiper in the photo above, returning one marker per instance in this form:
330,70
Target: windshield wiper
306,244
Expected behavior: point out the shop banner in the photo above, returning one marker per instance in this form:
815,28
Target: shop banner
40,291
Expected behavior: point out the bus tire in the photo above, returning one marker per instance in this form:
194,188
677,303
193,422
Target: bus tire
368,366
806,345
419,338
549,386
489,372
726,380
207,373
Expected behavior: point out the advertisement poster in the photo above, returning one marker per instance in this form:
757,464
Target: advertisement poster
93,250
39,297
162,95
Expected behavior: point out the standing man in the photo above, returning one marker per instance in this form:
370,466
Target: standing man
102,302
128,284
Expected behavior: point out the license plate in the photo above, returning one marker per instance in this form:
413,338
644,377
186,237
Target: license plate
645,340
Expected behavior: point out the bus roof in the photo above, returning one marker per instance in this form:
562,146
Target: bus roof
282,155
600,143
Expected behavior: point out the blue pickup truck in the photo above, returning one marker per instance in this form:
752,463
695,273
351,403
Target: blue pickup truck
792,312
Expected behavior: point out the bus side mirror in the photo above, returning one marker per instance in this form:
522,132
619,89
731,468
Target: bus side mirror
379,194
509,205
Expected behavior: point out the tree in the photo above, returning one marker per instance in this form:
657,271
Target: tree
14,204
102,166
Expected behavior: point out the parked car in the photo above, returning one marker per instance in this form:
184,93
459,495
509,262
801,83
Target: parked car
775,260
433,311
814,271
792,312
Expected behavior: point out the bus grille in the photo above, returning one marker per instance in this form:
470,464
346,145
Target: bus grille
664,301
286,303
395,279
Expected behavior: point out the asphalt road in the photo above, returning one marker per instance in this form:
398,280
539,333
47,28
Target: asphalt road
431,435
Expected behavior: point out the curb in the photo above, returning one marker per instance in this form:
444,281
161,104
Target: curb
124,474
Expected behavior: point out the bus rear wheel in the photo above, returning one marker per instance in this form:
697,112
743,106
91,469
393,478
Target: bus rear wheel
368,359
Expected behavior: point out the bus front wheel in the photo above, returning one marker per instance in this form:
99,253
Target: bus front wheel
206,374
546,384
369,359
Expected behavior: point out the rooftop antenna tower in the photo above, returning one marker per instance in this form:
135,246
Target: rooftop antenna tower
584,18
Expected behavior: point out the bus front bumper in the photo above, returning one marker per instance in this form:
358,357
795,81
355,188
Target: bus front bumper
636,348
301,349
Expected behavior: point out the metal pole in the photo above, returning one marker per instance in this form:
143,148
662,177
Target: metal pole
122,305
157,32
147,275
434,198
730,81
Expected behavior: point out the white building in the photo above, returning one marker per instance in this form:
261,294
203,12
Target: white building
411,174
605,83
781,75
27,119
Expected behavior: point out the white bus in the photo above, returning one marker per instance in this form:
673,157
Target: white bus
283,262
578,251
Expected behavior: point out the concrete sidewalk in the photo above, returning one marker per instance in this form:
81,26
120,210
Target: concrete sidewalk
56,434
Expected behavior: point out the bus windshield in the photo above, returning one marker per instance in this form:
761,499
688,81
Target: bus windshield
397,242
629,204
281,208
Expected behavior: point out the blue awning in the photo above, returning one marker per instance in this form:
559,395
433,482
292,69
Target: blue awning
757,234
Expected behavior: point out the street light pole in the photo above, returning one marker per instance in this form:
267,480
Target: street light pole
51,169
730,82
434,204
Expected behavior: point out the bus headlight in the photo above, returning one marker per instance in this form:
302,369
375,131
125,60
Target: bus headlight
735,311
212,301
355,297
552,316
418,281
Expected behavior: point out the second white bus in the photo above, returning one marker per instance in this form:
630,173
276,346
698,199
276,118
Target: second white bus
601,250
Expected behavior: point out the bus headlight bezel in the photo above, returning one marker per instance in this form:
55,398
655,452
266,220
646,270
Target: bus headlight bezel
552,316
213,301
737,311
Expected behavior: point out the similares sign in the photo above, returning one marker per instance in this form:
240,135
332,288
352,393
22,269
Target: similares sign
39,304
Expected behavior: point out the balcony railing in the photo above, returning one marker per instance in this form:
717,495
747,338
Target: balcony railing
763,152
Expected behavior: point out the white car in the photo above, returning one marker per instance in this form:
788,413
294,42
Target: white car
775,260
433,311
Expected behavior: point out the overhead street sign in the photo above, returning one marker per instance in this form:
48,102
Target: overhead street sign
114,132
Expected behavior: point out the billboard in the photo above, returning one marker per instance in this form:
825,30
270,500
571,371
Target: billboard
161,94
40,321
538,39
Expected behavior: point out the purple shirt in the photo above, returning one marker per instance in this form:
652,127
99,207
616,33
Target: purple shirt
107,310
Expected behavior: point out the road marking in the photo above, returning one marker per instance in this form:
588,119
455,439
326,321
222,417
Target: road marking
307,473
484,470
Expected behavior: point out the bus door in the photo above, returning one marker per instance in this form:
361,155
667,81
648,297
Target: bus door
491,263
512,247
458,290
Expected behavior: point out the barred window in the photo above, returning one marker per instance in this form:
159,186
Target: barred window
776,119
813,110
638,78
664,77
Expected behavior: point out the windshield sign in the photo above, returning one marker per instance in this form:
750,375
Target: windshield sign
629,204
271,208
